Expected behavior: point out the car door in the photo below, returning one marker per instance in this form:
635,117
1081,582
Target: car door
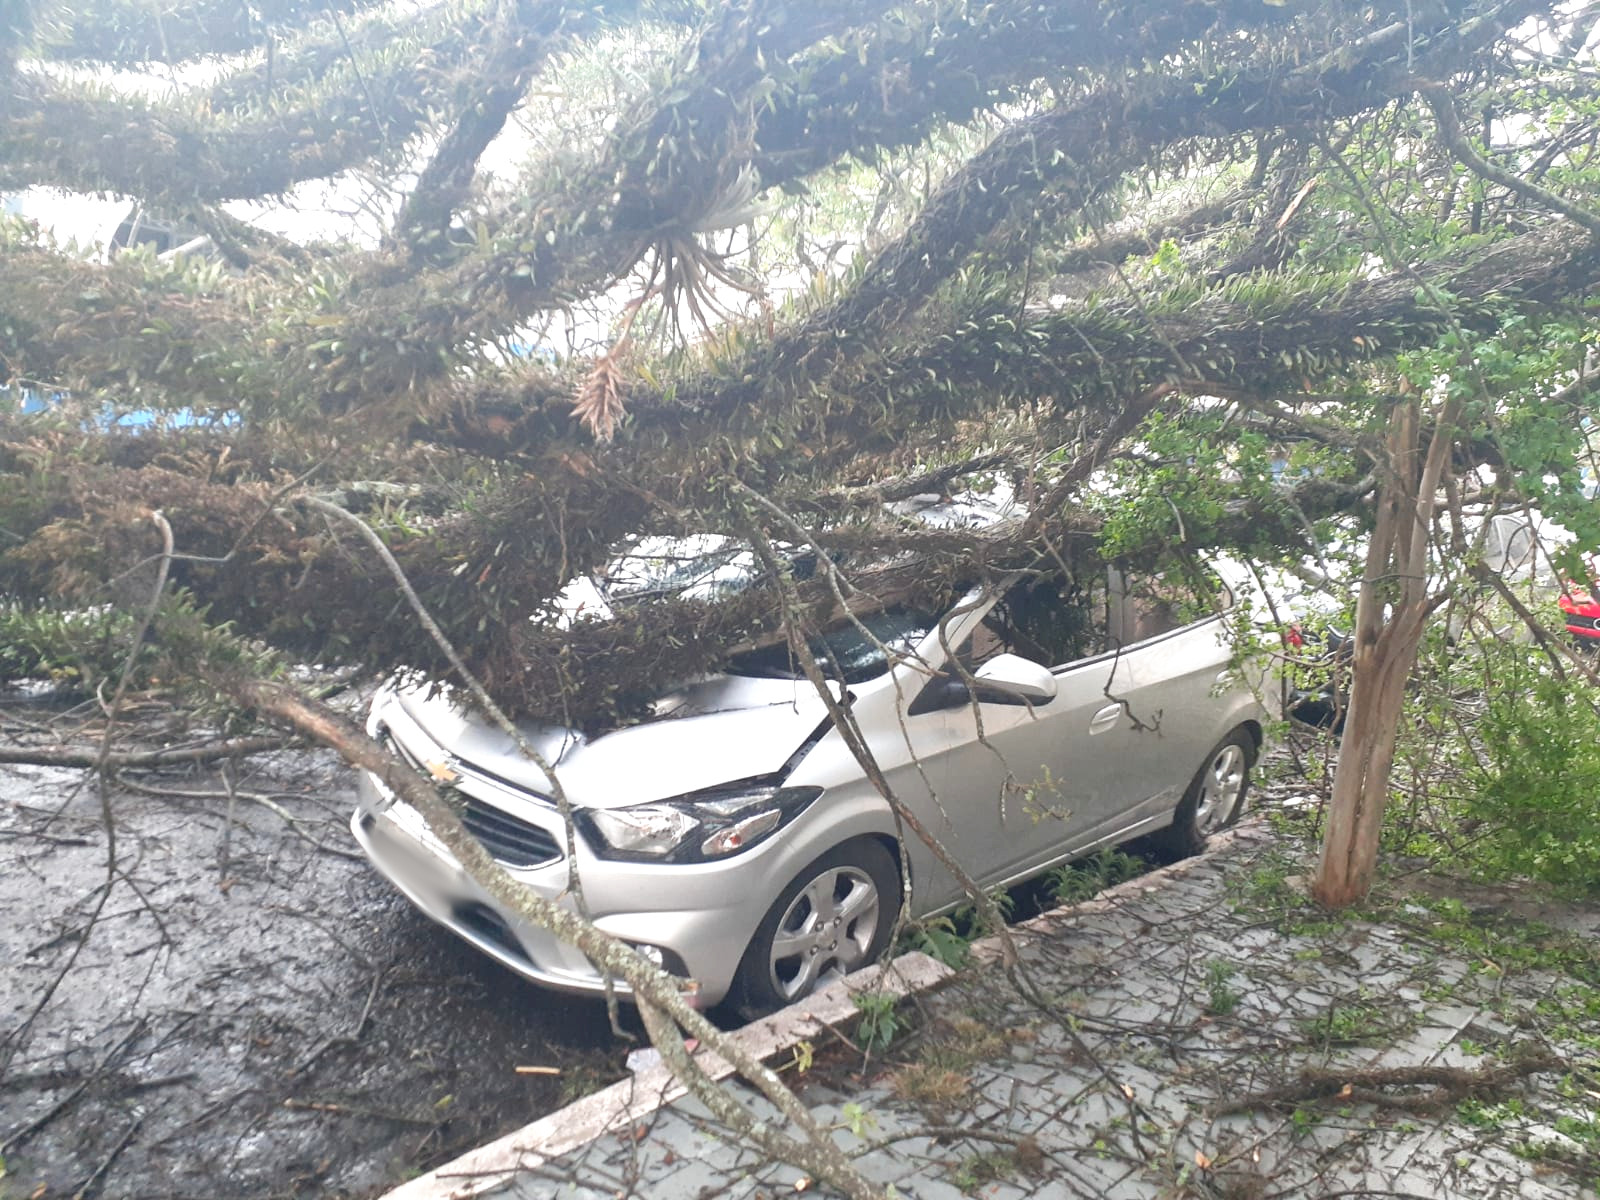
1176,661
1040,781
1023,785
1007,784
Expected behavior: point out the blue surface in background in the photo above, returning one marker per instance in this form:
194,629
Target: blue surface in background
36,401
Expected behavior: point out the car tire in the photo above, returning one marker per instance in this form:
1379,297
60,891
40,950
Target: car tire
1214,798
834,917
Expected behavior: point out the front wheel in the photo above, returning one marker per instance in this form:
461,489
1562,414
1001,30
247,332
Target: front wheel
1214,799
833,918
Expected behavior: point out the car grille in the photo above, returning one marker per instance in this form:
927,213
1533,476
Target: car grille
511,840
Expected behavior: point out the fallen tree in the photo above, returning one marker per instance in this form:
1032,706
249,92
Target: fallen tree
1167,273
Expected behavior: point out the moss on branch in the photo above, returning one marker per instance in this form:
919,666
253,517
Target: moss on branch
177,152
131,31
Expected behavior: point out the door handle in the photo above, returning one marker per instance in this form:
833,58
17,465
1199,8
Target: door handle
1106,718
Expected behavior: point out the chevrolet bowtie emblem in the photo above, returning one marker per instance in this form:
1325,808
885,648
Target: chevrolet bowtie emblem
441,771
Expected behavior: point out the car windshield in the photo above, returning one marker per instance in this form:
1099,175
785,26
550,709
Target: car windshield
702,567
843,651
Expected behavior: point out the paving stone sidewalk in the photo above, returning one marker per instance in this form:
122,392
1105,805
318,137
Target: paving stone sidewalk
1163,1001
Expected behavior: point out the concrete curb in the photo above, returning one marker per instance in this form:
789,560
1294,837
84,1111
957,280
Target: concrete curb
1253,830
635,1099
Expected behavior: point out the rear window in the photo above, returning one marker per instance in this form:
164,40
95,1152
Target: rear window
1055,620
1051,621
1155,603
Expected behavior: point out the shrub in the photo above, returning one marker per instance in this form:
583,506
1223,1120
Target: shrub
1536,785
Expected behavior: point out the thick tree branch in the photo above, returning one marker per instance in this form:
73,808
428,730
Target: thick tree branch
48,756
130,31
175,155
528,31
1079,148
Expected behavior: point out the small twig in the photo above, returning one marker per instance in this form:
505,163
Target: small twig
366,1009
1558,652
350,53
479,692
265,802
99,1173
227,826
844,721
127,665
1449,126
51,839
1026,1145
75,931
147,1085
60,1106
16,1039
495,713
817,1153
352,1110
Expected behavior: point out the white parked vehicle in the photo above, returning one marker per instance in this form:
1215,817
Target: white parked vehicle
737,842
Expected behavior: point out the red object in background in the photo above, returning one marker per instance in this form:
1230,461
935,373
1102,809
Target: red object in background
1581,610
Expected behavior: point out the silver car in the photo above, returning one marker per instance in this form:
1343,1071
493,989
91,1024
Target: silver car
735,840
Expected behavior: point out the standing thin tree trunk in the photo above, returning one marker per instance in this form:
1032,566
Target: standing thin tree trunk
1392,611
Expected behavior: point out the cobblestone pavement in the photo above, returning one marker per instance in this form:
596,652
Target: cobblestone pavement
1163,1001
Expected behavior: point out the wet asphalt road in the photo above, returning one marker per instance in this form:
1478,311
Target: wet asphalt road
248,1015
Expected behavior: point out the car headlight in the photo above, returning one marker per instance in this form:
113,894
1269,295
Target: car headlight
697,827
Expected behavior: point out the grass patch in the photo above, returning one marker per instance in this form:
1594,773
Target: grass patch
1270,895
1482,1115
930,1086
1500,942
1361,1023
987,1166
961,1043
1074,882
1221,997
940,1078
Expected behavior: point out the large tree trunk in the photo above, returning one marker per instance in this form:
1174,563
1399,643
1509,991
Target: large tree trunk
1366,755
1392,611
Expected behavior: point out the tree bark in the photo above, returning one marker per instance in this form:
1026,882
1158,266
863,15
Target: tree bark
1386,645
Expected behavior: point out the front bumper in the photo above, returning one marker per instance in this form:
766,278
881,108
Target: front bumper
436,884
700,920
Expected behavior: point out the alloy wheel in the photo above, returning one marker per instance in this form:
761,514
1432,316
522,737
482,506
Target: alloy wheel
1221,787
827,929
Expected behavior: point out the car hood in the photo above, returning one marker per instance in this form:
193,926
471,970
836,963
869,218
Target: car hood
713,732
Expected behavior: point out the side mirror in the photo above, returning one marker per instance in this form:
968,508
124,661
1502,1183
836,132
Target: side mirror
1012,679
1004,679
